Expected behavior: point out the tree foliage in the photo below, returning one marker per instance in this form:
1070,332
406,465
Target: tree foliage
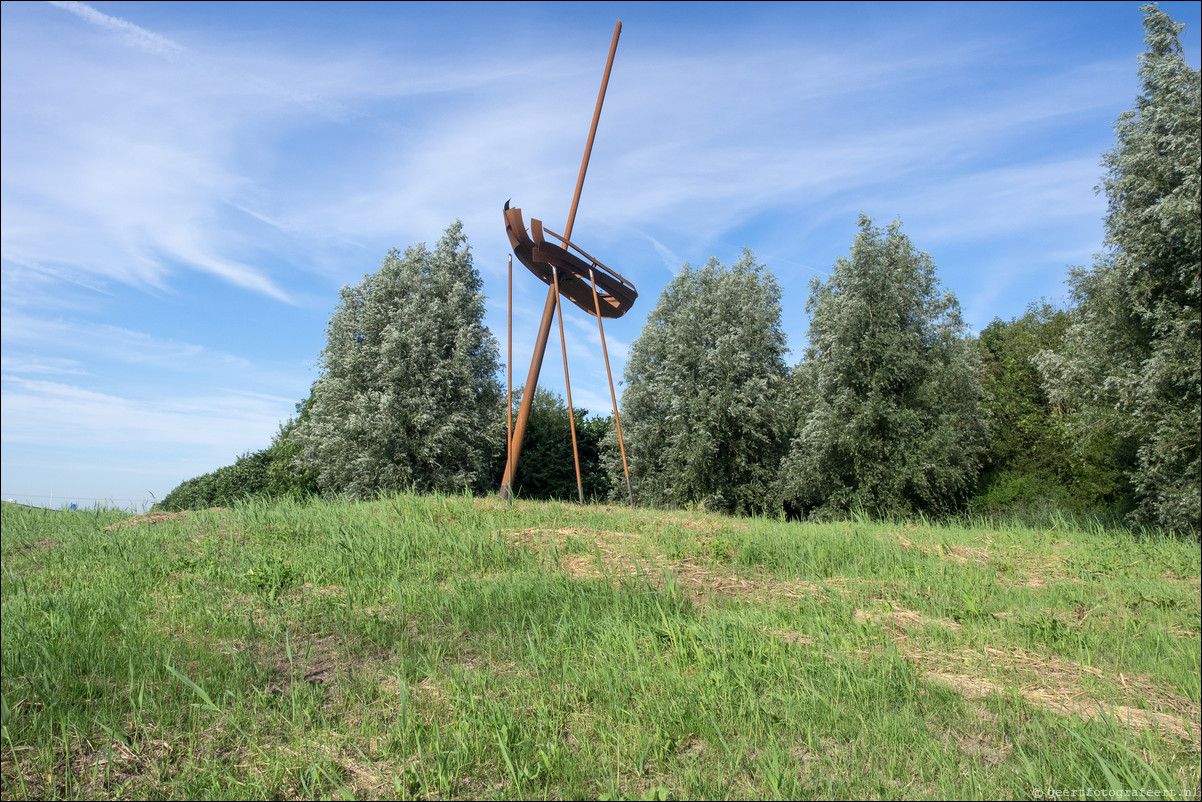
702,411
890,422
408,395
269,473
1132,363
546,469
1031,458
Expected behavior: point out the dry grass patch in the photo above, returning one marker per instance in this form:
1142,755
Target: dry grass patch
45,544
790,636
134,761
959,554
1048,681
1192,583
984,737
621,556
899,620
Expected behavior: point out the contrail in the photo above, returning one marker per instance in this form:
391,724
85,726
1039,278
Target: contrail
132,34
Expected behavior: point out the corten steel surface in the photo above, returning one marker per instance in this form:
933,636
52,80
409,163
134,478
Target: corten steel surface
541,256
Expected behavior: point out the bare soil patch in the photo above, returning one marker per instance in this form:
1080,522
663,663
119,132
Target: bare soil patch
313,661
157,518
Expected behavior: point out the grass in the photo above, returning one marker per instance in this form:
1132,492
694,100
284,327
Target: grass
448,647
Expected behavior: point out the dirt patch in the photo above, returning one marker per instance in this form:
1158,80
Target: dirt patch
157,518
315,661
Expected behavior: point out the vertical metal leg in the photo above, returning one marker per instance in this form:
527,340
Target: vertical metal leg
614,396
568,384
508,490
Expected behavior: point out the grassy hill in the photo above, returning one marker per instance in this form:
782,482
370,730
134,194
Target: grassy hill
461,648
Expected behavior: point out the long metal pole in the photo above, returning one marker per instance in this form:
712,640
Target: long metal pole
613,396
568,384
544,328
592,131
509,382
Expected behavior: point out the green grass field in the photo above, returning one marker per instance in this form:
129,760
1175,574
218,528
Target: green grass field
461,648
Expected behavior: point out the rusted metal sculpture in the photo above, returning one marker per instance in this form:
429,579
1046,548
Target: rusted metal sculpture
577,274
571,272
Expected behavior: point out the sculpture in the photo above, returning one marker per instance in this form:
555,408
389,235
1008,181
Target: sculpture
572,273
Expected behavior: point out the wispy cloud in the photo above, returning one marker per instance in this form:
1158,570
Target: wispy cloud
113,344
129,33
671,261
42,365
224,423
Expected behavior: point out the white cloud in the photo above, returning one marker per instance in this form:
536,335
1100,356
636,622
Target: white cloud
42,364
116,344
35,410
129,33
671,261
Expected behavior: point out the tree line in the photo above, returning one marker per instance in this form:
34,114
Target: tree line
896,409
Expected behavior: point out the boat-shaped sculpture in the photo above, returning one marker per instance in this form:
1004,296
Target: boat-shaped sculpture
542,250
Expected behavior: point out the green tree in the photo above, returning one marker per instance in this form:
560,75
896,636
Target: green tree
1031,459
246,478
272,472
286,476
890,422
1130,368
547,469
408,395
702,412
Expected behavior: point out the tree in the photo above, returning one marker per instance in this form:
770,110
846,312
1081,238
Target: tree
1130,367
702,411
547,469
1031,458
408,396
889,421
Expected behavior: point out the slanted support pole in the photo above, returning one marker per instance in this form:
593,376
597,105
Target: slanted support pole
536,364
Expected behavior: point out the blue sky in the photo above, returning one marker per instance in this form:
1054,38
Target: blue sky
185,187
